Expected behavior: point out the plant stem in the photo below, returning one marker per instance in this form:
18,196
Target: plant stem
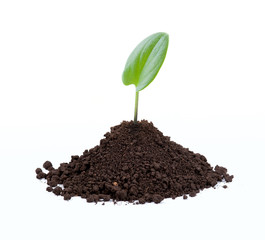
136,107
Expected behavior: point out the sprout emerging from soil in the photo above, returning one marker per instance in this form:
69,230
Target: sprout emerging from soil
144,63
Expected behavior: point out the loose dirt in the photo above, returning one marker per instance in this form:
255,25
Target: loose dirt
135,163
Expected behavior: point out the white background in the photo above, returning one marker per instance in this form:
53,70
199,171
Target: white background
61,90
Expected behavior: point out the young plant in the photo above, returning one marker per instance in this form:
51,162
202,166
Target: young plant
144,63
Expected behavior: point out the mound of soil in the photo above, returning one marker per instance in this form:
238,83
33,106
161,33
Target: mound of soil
135,163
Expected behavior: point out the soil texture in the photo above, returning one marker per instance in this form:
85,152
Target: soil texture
135,163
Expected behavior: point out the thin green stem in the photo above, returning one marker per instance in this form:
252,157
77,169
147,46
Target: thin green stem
136,107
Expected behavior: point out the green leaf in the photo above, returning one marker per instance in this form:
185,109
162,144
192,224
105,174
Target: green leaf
145,61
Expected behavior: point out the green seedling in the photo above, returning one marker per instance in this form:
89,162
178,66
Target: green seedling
144,63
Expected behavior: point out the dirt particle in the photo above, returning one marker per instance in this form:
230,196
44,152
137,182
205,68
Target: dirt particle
67,196
121,195
49,189
38,170
228,178
41,175
57,191
47,165
90,199
157,198
192,194
52,183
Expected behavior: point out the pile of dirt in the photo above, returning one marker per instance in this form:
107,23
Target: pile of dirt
135,163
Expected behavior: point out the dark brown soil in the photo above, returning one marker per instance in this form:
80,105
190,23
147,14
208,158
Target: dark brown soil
135,163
